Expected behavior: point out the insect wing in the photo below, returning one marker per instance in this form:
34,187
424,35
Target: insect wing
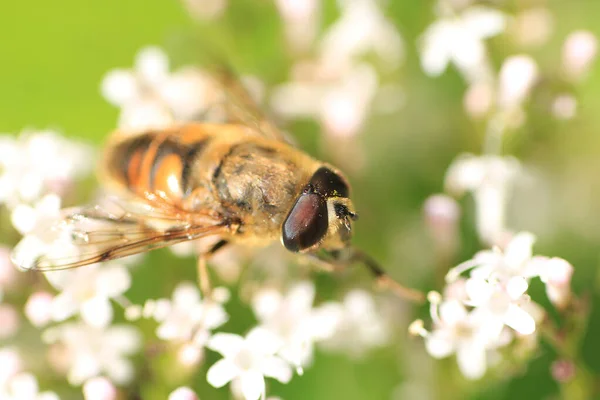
242,108
112,229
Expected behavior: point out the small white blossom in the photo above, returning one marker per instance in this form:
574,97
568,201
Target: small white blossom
465,333
564,106
360,327
8,273
10,364
24,386
362,28
38,308
490,180
442,214
88,352
183,393
99,388
247,361
339,99
150,96
26,218
39,162
88,291
579,52
9,321
517,76
294,320
556,274
187,317
459,40
301,18
499,280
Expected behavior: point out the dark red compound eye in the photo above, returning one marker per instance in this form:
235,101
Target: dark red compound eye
306,223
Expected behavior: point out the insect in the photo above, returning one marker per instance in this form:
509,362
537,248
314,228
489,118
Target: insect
239,181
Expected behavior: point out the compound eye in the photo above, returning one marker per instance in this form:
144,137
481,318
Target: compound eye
329,184
306,223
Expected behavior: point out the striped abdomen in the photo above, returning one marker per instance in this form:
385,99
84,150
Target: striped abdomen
162,161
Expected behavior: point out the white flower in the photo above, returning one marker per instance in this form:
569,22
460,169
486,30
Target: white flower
340,99
556,274
517,76
247,360
464,333
294,320
151,96
301,18
88,352
362,28
183,393
360,325
502,303
459,39
39,162
99,388
489,178
187,317
26,218
38,308
24,386
9,321
499,281
88,291
579,52
10,364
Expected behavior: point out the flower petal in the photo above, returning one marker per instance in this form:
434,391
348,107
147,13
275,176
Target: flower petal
483,22
97,312
516,287
478,290
471,359
228,344
439,344
519,250
519,320
263,341
253,384
221,372
113,281
452,312
63,306
185,295
275,367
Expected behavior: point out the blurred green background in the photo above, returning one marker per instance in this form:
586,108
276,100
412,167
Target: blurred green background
54,55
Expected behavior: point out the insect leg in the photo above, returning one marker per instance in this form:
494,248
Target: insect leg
385,281
382,279
203,277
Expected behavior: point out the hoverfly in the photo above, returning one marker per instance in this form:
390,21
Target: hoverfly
239,181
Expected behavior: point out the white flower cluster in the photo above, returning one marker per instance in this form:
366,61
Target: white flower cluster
149,96
474,317
289,327
186,319
490,180
338,88
36,164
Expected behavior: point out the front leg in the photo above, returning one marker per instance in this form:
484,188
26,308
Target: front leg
339,260
203,276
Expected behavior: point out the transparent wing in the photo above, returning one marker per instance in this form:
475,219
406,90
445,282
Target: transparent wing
241,107
109,230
